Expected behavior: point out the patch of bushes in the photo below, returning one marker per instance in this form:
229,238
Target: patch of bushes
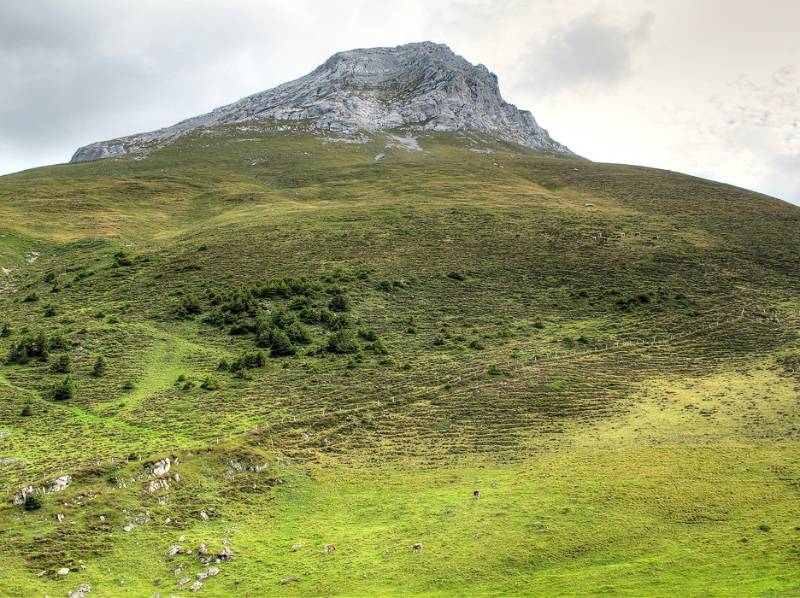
64,390
5,330
210,383
342,341
457,276
121,259
339,303
188,307
30,346
62,365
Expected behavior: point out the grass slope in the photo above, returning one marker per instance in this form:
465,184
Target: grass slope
608,353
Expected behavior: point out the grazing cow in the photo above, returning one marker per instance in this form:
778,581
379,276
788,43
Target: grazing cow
416,547
329,548
476,494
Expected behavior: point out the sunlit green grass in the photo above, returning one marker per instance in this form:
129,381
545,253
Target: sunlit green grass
616,379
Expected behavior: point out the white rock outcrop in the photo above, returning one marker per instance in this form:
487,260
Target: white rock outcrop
421,85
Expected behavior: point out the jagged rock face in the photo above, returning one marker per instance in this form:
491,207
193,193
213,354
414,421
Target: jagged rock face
422,85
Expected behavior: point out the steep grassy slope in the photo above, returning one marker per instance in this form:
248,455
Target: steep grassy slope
608,353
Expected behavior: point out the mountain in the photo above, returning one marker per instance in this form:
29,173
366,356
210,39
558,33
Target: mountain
424,85
265,338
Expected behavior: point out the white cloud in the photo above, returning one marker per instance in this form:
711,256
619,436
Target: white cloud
588,51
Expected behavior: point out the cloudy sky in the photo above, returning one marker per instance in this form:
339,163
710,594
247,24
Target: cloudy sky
708,87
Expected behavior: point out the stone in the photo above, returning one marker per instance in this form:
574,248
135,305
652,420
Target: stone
63,571
424,86
59,484
160,467
81,592
196,586
173,550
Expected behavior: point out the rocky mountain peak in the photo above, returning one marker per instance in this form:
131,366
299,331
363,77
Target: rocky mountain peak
419,85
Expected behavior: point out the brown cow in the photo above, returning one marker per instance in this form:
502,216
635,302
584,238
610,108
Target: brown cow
329,548
416,547
476,494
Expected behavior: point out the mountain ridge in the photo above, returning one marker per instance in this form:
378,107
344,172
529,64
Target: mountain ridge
421,85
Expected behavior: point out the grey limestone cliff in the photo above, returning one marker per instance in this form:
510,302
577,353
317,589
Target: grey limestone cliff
421,85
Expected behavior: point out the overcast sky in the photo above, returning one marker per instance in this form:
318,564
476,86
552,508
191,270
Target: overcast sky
708,87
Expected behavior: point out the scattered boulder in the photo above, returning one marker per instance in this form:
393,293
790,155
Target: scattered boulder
63,571
81,592
59,484
19,497
213,571
225,554
160,467
296,547
173,550
203,515
127,528
154,486
196,586
292,579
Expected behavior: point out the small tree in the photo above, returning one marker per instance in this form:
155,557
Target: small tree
99,369
65,389
32,502
343,341
62,365
340,303
280,344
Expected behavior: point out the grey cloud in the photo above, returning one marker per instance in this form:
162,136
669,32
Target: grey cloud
586,52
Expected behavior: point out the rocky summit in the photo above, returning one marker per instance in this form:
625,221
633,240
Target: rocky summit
421,85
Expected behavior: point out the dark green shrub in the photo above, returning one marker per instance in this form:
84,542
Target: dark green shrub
5,331
210,383
476,344
339,303
50,311
27,410
188,307
32,502
377,348
99,368
280,344
62,365
128,385
31,297
456,276
343,341
368,334
250,360
121,259
64,390
334,321
298,333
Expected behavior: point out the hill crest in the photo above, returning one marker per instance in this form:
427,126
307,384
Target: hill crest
420,85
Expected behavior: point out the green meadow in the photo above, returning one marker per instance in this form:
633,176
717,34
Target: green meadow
336,350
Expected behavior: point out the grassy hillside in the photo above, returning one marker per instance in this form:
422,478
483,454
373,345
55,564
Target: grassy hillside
333,347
